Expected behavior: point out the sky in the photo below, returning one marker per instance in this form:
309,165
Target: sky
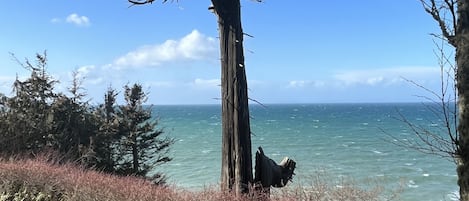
301,51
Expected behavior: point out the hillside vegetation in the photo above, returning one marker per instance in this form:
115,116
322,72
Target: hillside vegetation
42,179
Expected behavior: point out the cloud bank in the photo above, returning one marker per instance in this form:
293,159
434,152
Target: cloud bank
370,77
385,76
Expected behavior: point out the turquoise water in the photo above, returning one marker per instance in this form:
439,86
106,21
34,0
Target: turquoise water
345,140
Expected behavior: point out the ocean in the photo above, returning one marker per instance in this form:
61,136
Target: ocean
346,141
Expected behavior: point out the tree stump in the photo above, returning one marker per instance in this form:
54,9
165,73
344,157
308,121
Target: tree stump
268,173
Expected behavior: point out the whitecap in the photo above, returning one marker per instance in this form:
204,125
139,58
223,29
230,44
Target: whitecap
365,124
453,195
411,184
426,175
377,152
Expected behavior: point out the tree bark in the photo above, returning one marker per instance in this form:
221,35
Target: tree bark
135,157
236,172
462,79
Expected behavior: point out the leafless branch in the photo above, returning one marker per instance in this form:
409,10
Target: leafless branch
41,61
256,101
435,10
442,140
422,87
428,142
246,34
143,2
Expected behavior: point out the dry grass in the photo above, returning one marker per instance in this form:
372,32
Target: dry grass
43,180
322,187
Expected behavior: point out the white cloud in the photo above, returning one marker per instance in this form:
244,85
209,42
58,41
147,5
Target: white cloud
386,76
78,20
73,18
206,83
89,74
194,46
305,83
85,70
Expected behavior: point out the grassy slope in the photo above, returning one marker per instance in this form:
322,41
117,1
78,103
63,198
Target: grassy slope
39,180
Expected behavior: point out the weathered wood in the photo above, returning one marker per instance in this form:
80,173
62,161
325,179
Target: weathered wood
236,171
462,80
268,173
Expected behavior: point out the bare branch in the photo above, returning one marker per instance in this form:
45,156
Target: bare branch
142,2
428,141
434,10
256,101
440,138
246,34
451,7
422,87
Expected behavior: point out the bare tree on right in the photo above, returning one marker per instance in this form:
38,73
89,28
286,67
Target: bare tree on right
452,17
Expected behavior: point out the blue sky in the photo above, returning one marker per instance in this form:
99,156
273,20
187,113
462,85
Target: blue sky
302,51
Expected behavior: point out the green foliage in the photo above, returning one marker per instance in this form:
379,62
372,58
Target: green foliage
24,117
107,137
116,139
141,146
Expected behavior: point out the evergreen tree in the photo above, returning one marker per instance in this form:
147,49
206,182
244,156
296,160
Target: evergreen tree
25,118
142,146
123,140
107,138
73,124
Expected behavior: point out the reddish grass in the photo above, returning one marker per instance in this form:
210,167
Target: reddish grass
68,182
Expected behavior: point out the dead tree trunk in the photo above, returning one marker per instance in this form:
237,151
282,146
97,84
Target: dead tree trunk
236,141
236,172
461,42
